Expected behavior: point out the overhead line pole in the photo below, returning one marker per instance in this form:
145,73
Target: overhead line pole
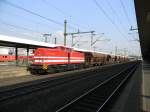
72,41
116,50
65,31
92,34
55,40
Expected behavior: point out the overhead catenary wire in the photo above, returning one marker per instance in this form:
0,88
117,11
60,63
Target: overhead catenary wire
59,10
37,32
25,18
116,15
22,34
107,16
36,14
33,13
125,12
19,27
64,13
133,16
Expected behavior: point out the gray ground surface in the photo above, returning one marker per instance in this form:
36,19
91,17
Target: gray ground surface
146,88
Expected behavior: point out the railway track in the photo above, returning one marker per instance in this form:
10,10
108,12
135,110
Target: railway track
25,90
98,98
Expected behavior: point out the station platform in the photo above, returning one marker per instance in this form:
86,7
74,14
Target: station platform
9,71
146,88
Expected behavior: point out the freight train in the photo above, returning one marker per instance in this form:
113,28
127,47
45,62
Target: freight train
60,58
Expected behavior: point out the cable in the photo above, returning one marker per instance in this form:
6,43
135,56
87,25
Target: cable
33,13
23,33
59,10
113,23
26,19
36,14
126,14
133,8
20,27
116,15
76,24
63,13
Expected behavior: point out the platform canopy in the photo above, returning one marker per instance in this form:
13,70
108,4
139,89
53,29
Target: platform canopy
142,8
11,41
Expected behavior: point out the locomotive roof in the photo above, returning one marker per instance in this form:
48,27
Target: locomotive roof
13,41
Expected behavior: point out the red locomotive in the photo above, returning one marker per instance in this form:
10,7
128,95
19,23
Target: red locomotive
55,59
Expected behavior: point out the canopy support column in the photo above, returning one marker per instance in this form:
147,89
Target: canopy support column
16,56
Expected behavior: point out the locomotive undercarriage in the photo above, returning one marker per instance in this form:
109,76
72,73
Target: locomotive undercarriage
40,69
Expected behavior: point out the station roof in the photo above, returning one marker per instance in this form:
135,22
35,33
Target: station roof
11,41
142,8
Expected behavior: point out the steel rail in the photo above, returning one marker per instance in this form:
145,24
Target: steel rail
130,70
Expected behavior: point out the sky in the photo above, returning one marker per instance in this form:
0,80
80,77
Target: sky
110,19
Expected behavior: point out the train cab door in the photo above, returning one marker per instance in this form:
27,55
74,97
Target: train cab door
69,58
